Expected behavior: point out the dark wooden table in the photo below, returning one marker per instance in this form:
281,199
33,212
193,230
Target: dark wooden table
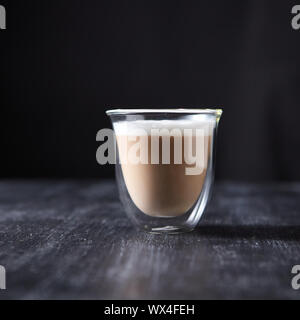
71,239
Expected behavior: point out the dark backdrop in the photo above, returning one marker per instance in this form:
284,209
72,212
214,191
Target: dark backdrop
63,63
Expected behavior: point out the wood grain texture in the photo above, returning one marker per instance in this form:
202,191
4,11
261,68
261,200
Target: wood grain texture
71,240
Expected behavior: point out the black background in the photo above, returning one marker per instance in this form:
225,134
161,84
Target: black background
63,63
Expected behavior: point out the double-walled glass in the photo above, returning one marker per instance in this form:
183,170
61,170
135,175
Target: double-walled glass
165,165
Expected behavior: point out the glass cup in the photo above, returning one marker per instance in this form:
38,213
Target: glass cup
165,165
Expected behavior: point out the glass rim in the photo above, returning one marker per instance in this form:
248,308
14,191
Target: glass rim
217,112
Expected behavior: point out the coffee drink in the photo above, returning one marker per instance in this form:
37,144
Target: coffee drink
164,168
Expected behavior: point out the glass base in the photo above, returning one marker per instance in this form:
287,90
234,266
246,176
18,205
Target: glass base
167,229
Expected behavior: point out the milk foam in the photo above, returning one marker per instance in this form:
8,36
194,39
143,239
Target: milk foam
144,127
